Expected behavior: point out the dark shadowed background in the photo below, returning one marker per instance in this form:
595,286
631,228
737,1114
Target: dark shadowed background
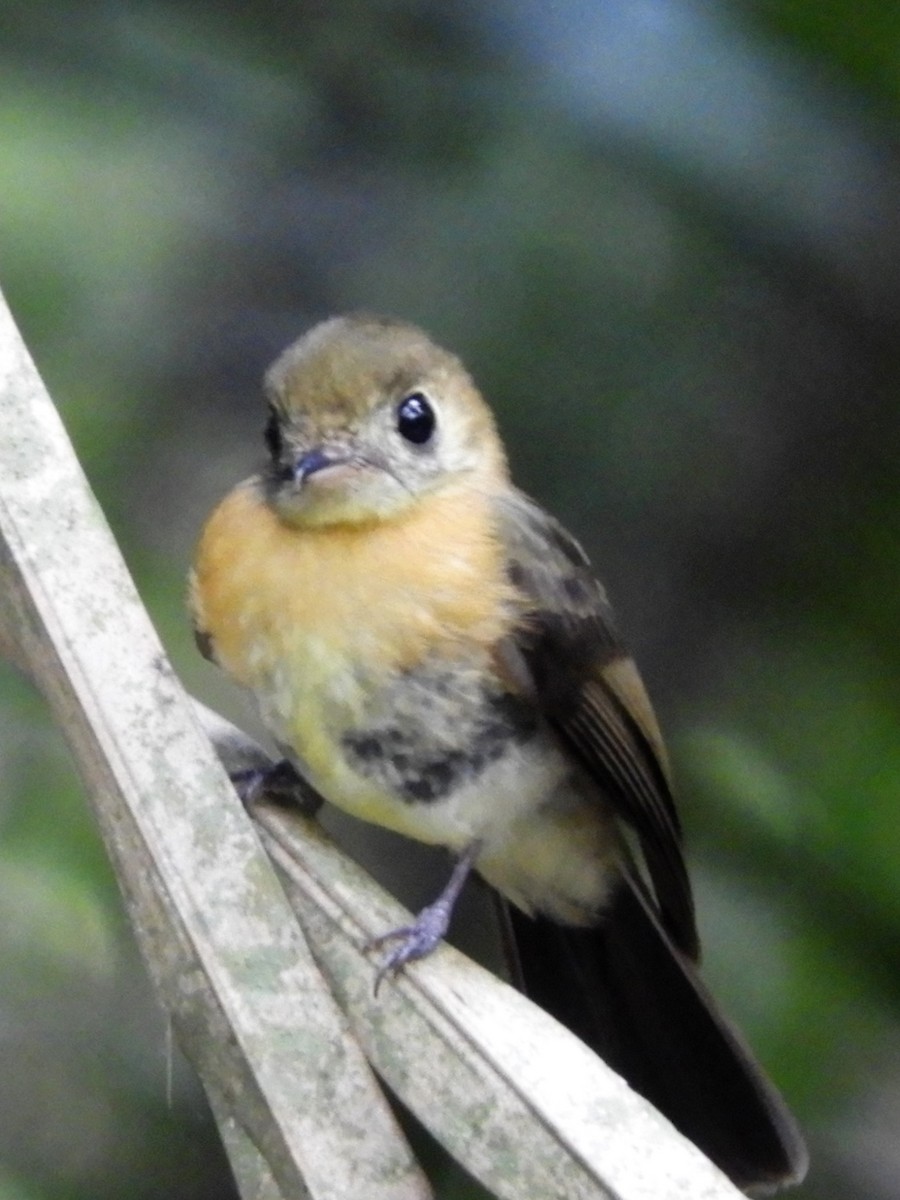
666,238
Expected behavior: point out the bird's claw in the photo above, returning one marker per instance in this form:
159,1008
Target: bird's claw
413,941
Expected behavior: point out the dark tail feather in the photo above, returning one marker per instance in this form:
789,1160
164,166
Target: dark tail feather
624,990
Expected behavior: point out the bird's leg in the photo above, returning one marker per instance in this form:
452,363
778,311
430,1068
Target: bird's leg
431,924
278,784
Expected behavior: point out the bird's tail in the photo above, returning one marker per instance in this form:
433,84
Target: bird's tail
624,990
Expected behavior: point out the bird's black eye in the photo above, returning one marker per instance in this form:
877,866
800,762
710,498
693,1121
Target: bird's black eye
272,435
415,419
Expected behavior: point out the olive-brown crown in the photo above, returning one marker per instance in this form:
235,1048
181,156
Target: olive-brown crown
367,415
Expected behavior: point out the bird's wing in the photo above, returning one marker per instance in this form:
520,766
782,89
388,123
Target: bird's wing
567,654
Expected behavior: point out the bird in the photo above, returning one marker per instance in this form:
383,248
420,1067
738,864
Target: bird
433,653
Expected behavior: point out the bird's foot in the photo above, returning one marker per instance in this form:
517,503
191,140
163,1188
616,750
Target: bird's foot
413,941
279,784
430,926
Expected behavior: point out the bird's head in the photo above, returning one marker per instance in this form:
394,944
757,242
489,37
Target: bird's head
366,417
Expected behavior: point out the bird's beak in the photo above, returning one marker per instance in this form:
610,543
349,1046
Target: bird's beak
318,459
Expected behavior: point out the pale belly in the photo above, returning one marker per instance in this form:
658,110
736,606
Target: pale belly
443,758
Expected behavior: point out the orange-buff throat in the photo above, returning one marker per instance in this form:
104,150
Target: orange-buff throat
379,596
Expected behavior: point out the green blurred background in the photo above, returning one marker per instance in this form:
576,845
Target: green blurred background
666,238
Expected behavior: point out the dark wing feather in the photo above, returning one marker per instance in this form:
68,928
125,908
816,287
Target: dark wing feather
567,652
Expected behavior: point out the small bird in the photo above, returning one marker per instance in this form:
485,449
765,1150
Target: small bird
432,653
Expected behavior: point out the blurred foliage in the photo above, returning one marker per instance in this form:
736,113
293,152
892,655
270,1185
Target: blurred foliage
665,237
860,40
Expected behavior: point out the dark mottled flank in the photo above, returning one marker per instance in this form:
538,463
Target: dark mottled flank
578,590
518,576
367,747
445,742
